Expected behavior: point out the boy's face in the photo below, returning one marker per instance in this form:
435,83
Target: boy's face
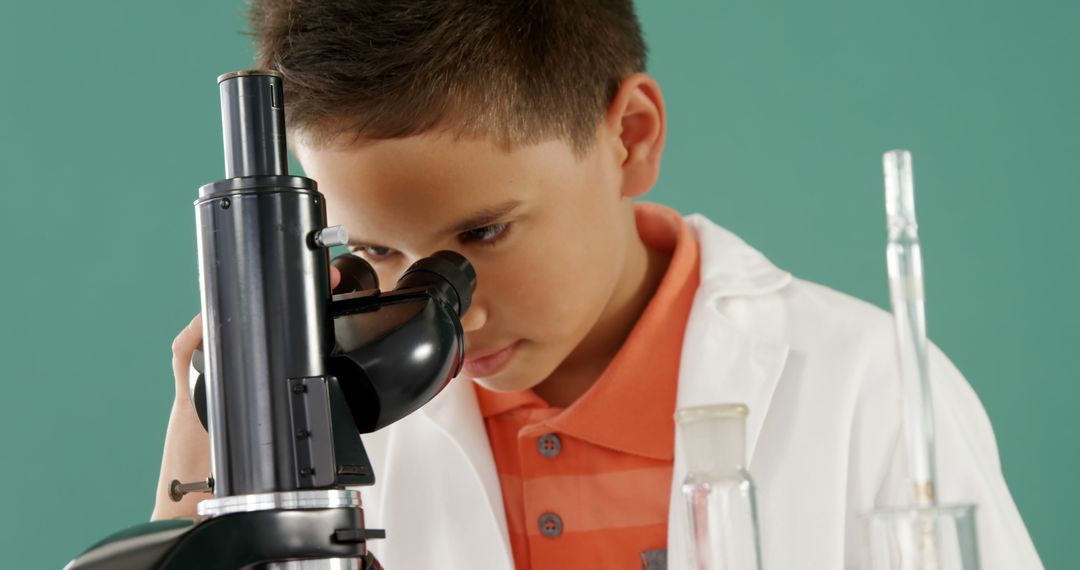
546,230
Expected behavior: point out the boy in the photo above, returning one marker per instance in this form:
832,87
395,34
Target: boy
519,133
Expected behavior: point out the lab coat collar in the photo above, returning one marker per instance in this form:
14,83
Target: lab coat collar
723,360
730,267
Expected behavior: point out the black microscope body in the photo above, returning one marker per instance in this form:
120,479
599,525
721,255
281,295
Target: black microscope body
290,374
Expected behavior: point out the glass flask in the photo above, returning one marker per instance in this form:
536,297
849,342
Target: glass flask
930,538
718,490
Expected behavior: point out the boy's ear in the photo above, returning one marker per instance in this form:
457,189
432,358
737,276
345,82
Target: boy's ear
637,117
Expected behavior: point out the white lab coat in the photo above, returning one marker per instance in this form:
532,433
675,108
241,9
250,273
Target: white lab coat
818,371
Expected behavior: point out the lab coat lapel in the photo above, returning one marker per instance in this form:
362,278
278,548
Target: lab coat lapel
456,413
722,362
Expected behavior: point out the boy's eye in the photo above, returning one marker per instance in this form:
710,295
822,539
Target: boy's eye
375,252
486,235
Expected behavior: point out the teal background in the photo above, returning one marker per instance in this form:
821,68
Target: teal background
779,113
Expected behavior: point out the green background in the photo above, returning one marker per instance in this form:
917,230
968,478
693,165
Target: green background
779,113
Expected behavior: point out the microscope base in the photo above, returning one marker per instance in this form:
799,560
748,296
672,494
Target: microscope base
286,539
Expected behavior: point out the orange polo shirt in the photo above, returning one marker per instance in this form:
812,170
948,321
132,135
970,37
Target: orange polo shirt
588,486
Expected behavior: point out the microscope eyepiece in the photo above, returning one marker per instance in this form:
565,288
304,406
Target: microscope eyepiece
356,274
253,121
447,272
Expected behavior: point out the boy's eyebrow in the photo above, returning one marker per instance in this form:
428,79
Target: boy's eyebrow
484,217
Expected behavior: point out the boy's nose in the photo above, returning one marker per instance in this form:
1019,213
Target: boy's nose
475,317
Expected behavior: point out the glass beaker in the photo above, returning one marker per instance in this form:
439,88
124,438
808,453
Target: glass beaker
931,538
718,490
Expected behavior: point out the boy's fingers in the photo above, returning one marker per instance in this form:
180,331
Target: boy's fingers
335,277
184,345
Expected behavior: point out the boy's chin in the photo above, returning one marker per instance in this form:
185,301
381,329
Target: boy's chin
506,383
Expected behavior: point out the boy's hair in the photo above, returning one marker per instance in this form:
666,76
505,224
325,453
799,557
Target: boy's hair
518,71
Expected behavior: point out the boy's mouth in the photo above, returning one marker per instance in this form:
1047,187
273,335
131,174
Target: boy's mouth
488,363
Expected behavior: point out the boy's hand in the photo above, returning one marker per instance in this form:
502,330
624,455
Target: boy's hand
186,456
183,347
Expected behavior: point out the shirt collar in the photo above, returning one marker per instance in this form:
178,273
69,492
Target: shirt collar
495,403
630,407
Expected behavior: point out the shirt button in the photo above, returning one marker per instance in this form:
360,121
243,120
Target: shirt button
549,445
550,525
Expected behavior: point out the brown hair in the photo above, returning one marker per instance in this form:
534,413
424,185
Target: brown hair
519,71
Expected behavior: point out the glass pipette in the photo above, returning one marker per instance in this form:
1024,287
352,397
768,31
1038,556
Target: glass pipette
908,304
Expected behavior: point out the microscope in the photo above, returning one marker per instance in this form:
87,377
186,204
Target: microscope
291,373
